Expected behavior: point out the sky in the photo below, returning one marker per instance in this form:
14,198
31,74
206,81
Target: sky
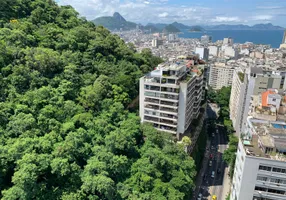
190,12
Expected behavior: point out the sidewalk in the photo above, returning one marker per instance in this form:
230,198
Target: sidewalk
226,184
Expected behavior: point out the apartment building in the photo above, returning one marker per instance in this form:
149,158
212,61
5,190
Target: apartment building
256,81
260,167
213,51
205,39
220,75
170,96
236,102
283,44
203,53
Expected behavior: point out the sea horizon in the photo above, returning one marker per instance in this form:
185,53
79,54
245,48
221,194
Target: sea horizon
266,37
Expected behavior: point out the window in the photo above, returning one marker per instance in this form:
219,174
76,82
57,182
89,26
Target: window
260,189
261,178
279,170
276,191
264,168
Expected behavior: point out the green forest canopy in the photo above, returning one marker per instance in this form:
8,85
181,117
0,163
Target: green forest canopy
65,132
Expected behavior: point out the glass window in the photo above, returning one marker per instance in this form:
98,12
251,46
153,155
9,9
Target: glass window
264,168
261,178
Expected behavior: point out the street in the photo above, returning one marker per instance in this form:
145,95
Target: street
213,178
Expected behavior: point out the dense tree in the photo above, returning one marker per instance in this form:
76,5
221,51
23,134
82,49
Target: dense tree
65,128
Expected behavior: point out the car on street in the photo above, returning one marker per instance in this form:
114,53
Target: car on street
211,156
200,196
210,164
213,174
216,130
218,170
213,135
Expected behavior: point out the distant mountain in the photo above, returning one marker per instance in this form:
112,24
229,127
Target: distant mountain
268,26
151,28
158,26
180,26
114,22
196,29
170,29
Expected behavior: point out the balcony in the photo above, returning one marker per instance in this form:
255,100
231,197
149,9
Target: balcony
168,96
149,100
152,107
167,103
167,129
168,122
152,88
151,119
170,90
155,80
173,110
168,116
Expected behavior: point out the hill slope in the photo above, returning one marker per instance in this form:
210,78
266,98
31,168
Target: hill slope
65,128
170,29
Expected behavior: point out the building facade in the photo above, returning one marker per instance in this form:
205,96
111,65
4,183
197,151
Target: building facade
237,98
220,75
256,81
205,39
170,96
203,53
260,167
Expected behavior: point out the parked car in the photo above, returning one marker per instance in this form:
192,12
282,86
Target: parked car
218,170
200,196
210,164
213,174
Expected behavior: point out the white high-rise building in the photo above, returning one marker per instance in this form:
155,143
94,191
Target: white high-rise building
205,39
260,166
283,44
220,75
231,52
157,42
238,91
227,41
213,50
170,96
203,53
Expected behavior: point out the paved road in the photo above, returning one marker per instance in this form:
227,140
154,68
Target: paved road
219,184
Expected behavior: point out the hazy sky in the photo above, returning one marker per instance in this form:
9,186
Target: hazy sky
186,11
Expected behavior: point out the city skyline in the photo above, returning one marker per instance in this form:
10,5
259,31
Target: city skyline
205,12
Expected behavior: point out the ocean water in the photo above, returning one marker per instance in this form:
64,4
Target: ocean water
273,37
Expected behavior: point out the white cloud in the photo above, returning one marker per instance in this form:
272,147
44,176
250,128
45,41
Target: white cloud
225,19
164,14
269,7
161,11
262,17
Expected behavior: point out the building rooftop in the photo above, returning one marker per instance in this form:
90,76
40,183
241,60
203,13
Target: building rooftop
268,140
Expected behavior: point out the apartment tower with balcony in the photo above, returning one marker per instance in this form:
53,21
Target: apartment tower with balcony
170,96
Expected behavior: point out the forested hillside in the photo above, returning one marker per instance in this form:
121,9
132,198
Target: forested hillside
65,131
